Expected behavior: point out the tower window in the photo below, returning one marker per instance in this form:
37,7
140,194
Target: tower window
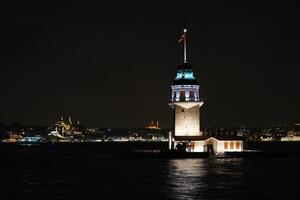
192,94
182,95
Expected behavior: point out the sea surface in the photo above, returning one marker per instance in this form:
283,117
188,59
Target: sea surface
91,171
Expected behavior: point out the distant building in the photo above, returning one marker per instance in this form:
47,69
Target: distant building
66,128
293,134
55,134
186,103
66,131
13,137
153,126
32,139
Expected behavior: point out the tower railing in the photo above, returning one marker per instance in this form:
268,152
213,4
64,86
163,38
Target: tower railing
186,99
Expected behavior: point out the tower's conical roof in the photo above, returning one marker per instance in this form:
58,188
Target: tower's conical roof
185,75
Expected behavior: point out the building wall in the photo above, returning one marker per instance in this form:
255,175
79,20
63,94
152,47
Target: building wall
232,146
198,146
187,121
293,138
218,146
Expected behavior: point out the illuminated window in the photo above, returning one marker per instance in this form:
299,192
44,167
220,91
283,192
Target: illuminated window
237,145
231,145
179,74
185,74
225,145
189,75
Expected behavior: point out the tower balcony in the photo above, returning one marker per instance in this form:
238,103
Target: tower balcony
186,99
186,102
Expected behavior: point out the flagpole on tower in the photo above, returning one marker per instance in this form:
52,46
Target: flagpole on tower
183,38
184,44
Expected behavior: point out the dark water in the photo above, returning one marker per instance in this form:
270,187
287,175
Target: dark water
89,171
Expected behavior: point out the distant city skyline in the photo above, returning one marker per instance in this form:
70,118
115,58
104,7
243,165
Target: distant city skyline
111,64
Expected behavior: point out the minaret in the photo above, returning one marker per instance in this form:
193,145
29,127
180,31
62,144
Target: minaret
70,120
185,101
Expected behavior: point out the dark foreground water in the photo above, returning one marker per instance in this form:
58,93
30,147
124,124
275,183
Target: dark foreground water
90,171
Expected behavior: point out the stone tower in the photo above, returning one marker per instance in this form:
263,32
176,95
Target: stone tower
185,102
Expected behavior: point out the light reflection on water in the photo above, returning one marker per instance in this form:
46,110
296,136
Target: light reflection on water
203,178
185,178
85,172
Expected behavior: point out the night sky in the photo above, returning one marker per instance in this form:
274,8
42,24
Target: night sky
111,64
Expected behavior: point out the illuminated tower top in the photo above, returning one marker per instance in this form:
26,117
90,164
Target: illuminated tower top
185,99
185,87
